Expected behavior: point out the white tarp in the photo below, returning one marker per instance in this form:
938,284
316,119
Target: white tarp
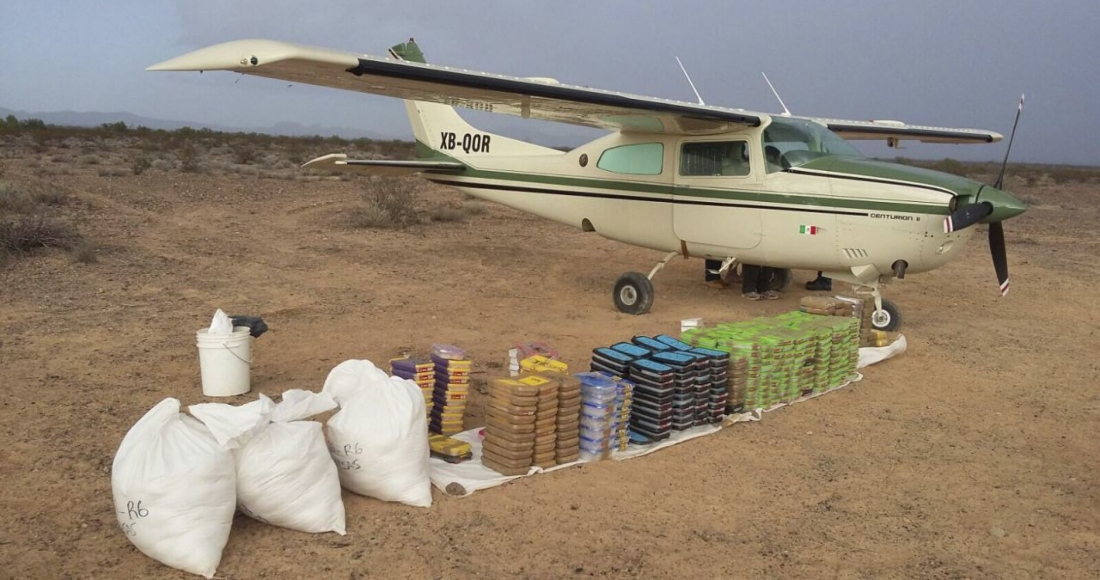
470,476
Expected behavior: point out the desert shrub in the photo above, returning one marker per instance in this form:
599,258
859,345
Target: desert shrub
387,203
24,233
139,163
189,159
447,214
23,199
84,253
244,153
476,208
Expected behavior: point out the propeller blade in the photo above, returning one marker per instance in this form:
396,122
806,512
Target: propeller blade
1011,137
1000,256
966,216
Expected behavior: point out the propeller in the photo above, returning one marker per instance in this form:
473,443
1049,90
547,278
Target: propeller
991,201
996,229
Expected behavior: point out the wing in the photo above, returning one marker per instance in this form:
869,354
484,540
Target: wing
542,99
340,162
894,131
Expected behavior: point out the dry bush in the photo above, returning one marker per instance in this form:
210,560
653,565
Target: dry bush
189,159
139,163
476,208
23,199
24,233
387,203
84,253
445,213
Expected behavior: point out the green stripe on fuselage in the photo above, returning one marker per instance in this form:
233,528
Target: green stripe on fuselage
732,195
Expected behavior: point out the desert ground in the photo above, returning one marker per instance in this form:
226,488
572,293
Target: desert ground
972,455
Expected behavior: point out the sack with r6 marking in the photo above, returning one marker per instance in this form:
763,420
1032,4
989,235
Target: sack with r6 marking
175,490
379,438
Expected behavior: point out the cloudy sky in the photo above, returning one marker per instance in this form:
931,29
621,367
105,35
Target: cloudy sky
937,62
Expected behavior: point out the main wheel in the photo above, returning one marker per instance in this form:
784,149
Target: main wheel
889,318
633,293
780,280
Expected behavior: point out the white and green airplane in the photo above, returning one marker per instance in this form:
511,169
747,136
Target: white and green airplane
688,179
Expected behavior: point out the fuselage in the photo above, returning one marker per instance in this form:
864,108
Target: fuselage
731,195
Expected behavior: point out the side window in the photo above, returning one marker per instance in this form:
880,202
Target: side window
640,159
708,158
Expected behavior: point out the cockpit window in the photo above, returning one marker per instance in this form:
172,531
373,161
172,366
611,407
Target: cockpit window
728,158
794,142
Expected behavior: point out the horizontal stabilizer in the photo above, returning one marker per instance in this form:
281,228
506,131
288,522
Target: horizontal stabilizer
391,167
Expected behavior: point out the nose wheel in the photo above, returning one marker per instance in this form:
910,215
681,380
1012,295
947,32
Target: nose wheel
887,317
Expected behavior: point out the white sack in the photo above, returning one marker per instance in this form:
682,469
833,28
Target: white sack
285,475
379,438
174,490
221,325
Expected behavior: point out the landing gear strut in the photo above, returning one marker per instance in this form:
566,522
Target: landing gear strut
887,315
634,292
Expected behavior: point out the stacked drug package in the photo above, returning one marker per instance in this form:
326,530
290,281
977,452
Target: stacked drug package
675,385
598,393
546,418
684,401
451,373
567,443
782,358
509,444
620,413
715,365
421,372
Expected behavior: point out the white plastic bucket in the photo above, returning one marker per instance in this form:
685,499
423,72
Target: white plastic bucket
225,362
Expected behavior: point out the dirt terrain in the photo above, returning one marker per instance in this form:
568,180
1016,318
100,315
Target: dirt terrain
973,455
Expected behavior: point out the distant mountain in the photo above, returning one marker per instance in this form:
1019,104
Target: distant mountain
95,119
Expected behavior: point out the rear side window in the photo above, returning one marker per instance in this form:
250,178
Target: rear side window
640,159
730,158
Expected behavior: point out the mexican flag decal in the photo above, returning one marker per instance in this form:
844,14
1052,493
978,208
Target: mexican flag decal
808,230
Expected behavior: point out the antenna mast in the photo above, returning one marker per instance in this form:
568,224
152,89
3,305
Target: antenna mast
786,113
686,75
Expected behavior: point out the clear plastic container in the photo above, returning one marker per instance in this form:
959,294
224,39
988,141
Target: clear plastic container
448,352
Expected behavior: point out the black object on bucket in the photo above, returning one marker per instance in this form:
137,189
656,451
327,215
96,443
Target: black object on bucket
255,324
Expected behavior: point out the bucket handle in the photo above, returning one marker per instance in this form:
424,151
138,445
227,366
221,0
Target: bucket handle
226,345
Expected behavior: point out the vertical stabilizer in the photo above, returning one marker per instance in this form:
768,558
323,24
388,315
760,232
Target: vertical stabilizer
438,127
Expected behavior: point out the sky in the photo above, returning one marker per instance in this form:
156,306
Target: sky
949,63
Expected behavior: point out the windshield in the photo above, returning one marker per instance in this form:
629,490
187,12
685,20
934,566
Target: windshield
794,142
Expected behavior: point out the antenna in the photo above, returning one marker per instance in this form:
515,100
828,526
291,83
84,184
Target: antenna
689,81
786,113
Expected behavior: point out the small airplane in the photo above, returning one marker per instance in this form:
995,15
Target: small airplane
688,179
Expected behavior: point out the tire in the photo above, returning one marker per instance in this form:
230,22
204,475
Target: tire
781,280
633,293
890,318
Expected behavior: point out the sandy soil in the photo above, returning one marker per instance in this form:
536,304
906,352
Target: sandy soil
971,456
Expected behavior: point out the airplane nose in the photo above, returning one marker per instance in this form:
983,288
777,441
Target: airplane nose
1004,205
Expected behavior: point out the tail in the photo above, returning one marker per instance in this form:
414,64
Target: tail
441,132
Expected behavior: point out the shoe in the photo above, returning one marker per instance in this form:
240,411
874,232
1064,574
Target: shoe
718,284
771,295
820,285
752,296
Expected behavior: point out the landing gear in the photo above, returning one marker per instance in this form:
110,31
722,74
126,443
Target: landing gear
886,317
634,292
781,280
